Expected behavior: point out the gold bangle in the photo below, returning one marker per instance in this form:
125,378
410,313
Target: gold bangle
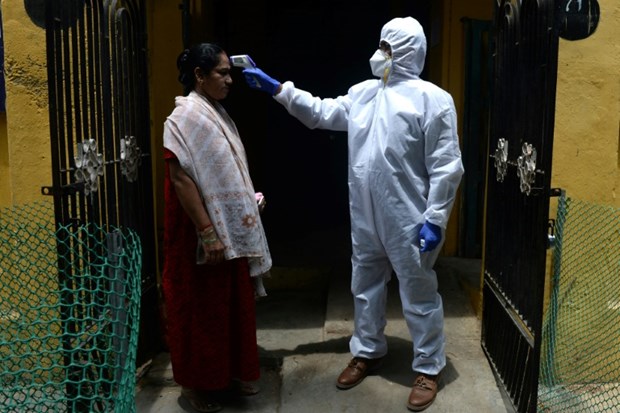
207,236
208,241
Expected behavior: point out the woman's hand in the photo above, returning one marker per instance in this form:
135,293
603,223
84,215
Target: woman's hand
214,252
211,245
260,201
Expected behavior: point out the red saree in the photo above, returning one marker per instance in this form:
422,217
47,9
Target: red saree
210,310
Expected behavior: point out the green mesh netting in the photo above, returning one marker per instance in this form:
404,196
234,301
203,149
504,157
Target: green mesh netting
69,314
580,359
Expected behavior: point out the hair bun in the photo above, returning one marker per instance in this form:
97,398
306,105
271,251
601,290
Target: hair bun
184,56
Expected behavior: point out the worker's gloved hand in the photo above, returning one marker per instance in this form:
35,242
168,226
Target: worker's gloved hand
257,79
429,237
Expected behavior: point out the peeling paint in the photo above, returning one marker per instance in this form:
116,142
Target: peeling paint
22,74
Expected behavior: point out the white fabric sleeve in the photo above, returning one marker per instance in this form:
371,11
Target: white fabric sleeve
444,166
314,112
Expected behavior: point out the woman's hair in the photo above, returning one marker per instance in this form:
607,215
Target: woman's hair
204,55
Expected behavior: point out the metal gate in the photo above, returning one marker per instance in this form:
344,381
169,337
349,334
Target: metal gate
100,131
518,190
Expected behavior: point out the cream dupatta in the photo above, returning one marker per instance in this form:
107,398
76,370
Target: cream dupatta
206,142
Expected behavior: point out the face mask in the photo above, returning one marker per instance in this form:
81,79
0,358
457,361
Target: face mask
380,64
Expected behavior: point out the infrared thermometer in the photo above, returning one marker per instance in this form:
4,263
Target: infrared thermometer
242,60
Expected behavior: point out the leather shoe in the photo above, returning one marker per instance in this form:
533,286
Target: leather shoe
356,371
423,392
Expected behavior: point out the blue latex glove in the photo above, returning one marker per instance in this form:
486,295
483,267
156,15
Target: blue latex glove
257,79
429,237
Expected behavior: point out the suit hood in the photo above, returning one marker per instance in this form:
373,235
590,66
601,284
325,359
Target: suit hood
408,42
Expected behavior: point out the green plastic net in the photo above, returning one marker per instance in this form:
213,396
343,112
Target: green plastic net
69,314
580,359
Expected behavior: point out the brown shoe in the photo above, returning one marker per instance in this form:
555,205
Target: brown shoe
356,371
423,392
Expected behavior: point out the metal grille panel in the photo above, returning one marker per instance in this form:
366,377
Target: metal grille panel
100,131
518,191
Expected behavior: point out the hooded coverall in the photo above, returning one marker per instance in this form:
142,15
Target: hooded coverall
404,169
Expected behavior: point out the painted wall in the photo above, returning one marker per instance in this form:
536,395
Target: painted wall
164,46
449,55
586,158
5,188
586,163
446,52
25,160
25,163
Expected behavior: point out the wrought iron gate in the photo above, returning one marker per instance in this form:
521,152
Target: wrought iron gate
518,190
100,130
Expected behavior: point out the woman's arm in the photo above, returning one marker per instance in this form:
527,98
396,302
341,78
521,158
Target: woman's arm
188,195
190,200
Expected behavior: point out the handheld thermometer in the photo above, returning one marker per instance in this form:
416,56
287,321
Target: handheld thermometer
242,60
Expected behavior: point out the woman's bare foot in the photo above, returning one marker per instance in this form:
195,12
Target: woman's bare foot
246,388
200,401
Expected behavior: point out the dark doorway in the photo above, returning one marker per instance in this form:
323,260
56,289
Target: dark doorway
476,109
323,47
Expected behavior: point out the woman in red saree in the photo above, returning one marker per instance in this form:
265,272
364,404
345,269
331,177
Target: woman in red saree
215,250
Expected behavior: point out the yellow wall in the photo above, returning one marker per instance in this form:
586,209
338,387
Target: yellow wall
452,77
586,163
25,152
26,164
5,188
25,160
448,55
586,160
164,47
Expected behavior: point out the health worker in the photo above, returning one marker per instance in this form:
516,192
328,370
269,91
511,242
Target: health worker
404,170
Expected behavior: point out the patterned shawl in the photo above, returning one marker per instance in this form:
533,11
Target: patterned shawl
206,142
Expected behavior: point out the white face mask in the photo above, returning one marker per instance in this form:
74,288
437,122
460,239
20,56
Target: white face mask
380,64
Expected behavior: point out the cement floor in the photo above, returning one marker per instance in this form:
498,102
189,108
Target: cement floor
303,327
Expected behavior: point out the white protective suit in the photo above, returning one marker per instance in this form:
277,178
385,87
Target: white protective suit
404,168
